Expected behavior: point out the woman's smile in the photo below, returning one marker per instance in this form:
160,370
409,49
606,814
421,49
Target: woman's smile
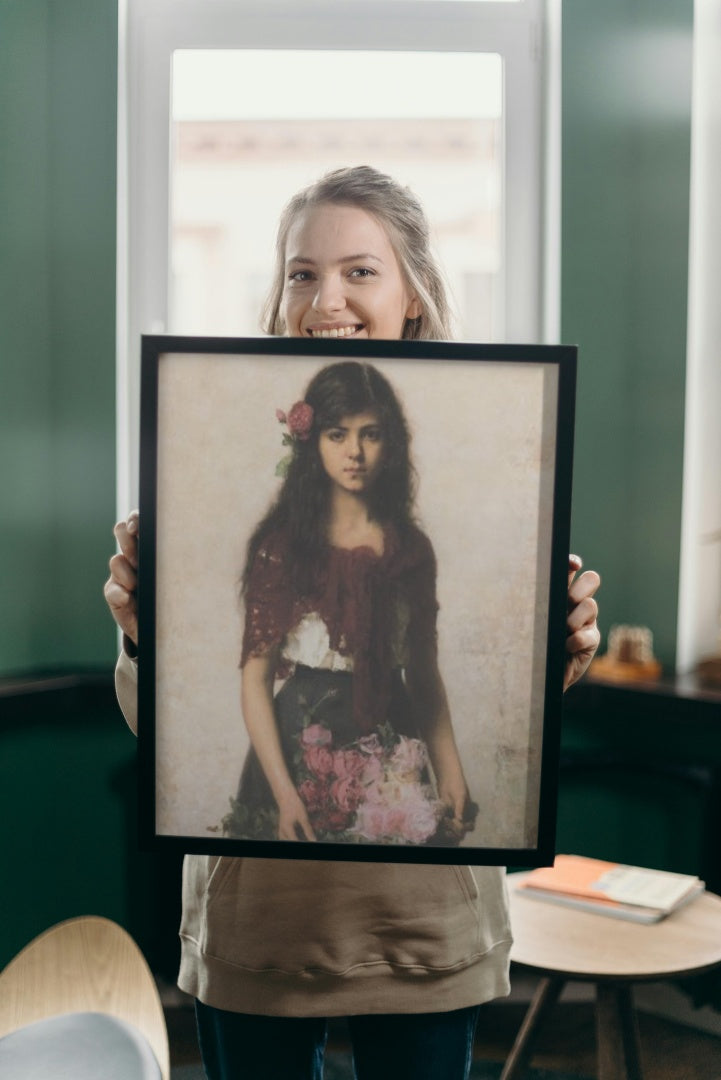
324,331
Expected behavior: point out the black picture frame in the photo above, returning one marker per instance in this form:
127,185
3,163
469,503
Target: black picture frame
492,438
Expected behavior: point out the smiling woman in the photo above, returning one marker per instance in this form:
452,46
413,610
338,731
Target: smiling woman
353,259
343,277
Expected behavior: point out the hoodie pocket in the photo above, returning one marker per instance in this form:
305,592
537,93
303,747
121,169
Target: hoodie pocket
300,916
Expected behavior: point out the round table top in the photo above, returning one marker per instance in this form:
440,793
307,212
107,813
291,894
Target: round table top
559,940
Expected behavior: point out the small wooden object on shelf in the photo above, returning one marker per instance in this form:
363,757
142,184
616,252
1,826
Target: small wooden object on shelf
629,657
709,670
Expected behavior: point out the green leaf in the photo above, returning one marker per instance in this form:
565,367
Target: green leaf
281,468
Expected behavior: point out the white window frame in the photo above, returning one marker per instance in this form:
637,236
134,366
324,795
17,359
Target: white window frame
526,34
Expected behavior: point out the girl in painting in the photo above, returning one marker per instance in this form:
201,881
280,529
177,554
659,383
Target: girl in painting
339,588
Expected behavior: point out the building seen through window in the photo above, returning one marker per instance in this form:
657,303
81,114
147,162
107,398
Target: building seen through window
232,171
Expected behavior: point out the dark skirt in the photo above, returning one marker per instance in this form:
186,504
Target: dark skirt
346,780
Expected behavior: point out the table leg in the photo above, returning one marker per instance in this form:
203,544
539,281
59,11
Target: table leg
545,997
617,1033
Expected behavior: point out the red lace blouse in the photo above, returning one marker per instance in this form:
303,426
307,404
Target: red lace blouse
358,595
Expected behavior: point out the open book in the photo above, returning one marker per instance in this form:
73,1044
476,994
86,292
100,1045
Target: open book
608,888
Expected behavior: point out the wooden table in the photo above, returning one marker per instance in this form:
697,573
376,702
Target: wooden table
563,944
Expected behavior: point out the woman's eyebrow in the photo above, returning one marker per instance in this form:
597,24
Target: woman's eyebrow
361,257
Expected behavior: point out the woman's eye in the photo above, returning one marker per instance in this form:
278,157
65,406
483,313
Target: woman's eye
362,272
373,435
335,436
300,276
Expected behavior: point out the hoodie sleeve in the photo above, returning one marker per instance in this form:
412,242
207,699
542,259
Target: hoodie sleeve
126,688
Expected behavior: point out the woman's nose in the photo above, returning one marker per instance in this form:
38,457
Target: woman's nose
355,447
329,295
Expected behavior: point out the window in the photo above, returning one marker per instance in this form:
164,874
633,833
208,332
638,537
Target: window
227,107
236,160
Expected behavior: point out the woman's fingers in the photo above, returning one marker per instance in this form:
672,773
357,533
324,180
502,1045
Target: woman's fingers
575,562
126,534
587,584
123,572
583,613
121,587
123,607
582,634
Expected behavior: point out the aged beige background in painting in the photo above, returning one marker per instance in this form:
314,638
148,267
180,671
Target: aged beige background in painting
483,444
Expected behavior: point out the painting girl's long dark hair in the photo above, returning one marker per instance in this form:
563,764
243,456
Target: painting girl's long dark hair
302,508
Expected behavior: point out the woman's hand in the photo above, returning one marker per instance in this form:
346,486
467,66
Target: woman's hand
293,823
583,635
121,587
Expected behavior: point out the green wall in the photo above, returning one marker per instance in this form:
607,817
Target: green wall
58,71
625,167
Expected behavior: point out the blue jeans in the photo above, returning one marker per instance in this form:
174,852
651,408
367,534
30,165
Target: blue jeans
413,1046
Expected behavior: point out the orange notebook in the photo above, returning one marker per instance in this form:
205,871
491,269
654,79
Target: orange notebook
632,892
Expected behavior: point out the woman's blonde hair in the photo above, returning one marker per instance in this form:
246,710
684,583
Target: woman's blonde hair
403,217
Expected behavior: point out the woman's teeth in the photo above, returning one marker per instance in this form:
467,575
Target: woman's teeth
337,331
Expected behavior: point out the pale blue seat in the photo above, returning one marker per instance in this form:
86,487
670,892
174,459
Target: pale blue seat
80,1003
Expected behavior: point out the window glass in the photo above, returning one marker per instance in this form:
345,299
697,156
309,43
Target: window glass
238,155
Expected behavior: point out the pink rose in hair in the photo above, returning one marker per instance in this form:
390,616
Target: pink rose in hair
316,735
300,420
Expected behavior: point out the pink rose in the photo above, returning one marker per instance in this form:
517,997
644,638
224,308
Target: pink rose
348,763
375,795
419,821
332,820
346,793
397,811
395,822
300,420
319,760
316,735
372,770
409,756
370,822
314,794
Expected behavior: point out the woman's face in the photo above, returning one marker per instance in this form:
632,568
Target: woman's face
342,277
352,452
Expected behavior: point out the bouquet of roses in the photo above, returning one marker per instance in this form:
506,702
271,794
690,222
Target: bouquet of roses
375,790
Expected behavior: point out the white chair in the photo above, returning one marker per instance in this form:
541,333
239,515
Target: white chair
80,1002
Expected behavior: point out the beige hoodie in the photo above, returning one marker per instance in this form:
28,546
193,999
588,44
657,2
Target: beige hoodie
315,938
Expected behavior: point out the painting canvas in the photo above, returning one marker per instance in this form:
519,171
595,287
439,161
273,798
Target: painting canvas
302,695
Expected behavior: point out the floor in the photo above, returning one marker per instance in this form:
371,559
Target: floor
669,1051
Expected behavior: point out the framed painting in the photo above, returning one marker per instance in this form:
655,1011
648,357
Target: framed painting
352,597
